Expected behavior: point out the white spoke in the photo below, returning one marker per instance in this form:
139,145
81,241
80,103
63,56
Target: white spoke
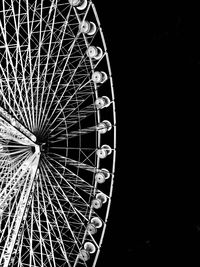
52,10
66,104
66,63
61,209
18,52
65,196
14,73
70,111
30,63
48,223
38,222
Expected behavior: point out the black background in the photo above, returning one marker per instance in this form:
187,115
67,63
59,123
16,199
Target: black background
155,55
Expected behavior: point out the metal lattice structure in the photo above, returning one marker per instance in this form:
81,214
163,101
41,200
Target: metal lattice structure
57,133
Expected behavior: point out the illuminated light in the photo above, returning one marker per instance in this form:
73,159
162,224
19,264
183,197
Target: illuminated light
84,255
99,77
100,177
96,222
87,27
96,204
90,247
101,197
104,151
91,229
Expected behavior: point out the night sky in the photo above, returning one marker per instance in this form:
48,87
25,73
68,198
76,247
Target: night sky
155,55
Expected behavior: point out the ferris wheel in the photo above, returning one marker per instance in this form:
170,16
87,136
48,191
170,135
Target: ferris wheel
57,133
